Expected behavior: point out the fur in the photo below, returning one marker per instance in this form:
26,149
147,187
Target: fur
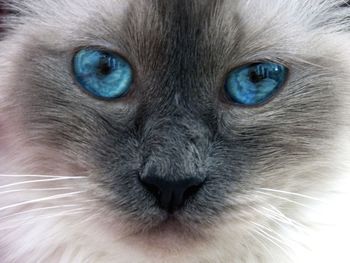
277,176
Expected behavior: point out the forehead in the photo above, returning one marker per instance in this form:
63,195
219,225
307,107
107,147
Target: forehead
236,28
175,30
192,34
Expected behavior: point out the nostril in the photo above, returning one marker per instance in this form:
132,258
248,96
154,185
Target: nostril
192,190
171,195
150,187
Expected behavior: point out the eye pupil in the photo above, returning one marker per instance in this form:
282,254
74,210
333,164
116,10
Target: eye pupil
104,67
255,78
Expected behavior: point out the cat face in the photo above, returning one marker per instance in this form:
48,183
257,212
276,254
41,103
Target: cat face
177,124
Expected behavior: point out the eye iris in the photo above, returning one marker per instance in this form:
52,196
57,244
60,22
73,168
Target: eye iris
102,74
255,84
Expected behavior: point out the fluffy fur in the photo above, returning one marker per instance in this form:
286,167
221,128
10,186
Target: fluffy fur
277,175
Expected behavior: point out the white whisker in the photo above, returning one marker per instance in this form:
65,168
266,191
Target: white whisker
274,213
273,216
278,236
86,201
293,194
38,181
284,219
285,199
38,210
89,218
263,245
272,241
36,190
36,219
41,176
54,197
67,213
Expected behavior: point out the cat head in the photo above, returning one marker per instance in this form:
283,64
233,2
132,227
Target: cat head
176,146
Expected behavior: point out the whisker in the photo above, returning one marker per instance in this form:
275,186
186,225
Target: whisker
262,244
279,236
67,213
274,213
89,218
273,242
287,248
36,219
36,190
38,181
54,197
278,217
285,199
273,216
40,176
86,201
293,194
285,219
38,210
283,222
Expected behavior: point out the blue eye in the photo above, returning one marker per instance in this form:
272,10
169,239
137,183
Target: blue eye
255,84
102,74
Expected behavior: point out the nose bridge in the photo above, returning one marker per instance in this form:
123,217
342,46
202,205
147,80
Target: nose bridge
175,143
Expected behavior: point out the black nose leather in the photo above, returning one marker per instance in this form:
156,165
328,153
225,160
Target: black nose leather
171,195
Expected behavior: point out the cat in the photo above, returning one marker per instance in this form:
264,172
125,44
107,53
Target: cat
181,167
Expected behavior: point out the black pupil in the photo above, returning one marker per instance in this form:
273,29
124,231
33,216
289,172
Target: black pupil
104,67
255,77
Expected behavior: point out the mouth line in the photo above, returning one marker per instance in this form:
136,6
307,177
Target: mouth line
169,223
168,235
171,226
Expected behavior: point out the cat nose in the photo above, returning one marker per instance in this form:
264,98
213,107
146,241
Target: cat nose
171,195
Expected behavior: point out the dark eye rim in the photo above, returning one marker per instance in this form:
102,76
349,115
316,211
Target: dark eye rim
225,98
127,96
